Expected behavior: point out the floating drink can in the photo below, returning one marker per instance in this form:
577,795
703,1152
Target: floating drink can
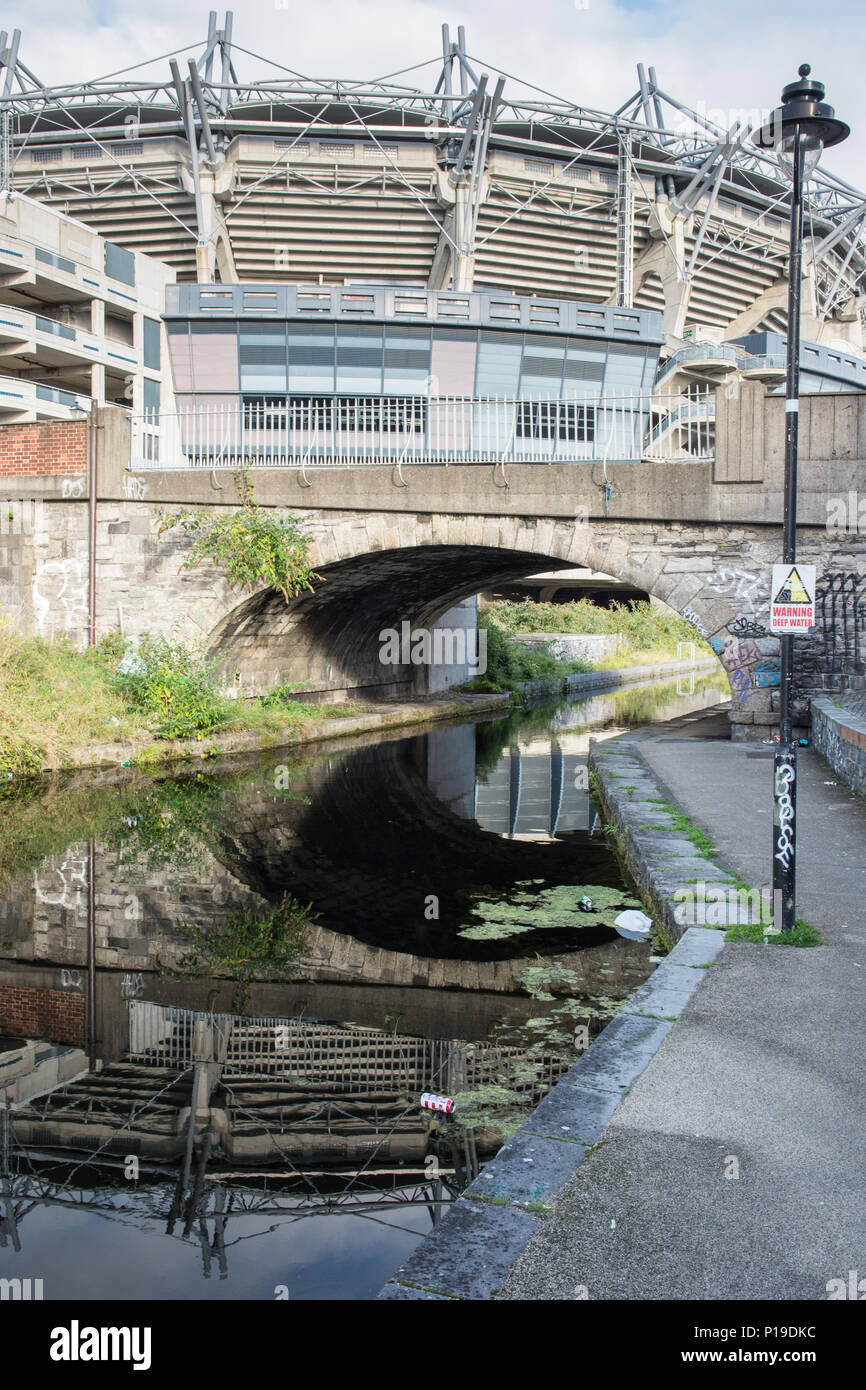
431,1102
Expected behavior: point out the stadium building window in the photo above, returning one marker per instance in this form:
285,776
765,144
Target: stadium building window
560,420
262,352
150,343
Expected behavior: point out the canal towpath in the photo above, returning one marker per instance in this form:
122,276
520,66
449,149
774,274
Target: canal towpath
730,1166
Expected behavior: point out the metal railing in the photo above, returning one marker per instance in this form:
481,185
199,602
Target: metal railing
331,431
683,428
357,1057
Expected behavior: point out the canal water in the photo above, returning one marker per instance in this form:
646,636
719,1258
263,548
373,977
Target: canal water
223,994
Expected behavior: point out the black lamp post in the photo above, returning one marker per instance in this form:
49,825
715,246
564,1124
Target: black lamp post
798,130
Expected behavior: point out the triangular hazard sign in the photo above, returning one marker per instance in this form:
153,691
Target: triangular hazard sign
793,590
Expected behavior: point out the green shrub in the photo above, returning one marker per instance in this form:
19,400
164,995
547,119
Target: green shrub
280,696
254,545
175,683
510,663
249,946
643,626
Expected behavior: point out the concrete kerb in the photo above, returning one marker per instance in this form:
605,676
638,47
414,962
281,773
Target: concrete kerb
470,1252
661,857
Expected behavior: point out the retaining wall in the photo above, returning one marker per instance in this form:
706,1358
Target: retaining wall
840,734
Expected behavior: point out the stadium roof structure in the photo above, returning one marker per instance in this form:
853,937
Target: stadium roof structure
449,174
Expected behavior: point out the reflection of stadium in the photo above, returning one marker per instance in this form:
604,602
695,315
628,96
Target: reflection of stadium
261,1089
326,1117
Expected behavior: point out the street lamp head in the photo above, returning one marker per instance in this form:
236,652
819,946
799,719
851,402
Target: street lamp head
804,112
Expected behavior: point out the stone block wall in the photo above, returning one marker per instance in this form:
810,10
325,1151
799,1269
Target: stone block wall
840,735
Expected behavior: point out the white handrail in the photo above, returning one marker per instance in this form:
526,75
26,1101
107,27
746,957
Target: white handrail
352,431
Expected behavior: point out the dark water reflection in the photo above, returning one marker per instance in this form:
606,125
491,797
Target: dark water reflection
274,1116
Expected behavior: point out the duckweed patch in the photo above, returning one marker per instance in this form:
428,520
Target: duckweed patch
533,909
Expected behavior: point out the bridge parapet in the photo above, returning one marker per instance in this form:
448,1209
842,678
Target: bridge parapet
398,548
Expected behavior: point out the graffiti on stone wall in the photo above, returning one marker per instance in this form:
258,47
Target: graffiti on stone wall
745,627
691,616
60,597
767,673
747,587
65,884
741,657
840,609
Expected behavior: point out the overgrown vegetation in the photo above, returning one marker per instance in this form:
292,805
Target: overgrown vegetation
173,684
249,945
254,545
510,663
647,632
51,698
54,698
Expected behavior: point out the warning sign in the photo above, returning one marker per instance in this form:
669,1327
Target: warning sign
792,608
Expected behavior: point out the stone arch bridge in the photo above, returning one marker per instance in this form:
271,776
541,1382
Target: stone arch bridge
700,536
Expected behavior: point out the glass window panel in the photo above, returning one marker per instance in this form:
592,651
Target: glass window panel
359,358
498,369
311,357
263,357
214,356
119,263
150,343
584,368
625,364
543,357
150,401
407,360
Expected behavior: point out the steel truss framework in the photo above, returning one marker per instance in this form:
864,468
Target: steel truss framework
671,169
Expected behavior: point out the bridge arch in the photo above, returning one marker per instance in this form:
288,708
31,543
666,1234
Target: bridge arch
381,571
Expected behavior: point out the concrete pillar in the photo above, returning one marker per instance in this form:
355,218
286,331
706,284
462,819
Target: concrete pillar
97,371
459,637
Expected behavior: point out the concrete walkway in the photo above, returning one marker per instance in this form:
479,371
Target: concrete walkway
735,1167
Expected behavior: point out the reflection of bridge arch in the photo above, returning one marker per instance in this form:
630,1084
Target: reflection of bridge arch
375,842
534,792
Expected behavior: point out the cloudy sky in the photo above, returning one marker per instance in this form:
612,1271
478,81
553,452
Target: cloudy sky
721,57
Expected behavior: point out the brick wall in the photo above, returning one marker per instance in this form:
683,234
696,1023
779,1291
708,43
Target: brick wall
50,1014
51,447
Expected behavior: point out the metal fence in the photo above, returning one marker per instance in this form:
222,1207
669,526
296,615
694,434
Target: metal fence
350,431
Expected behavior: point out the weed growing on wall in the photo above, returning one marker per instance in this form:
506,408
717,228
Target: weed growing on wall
253,545
249,945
